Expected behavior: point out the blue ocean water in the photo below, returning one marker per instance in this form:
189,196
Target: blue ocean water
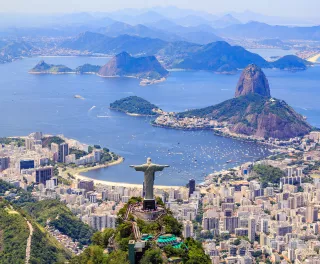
46,103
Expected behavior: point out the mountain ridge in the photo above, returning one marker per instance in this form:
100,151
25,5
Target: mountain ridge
217,56
124,65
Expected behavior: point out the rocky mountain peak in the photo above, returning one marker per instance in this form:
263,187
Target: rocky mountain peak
252,81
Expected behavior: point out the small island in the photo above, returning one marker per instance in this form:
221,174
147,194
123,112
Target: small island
134,105
147,69
44,68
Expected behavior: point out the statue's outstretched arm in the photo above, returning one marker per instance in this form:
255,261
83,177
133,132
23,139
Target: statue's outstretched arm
161,167
138,167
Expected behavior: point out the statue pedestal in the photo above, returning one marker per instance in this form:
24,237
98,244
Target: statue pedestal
149,204
147,214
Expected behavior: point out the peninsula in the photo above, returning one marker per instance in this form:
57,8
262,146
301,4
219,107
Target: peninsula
134,105
252,114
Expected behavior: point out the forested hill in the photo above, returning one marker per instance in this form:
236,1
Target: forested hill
134,105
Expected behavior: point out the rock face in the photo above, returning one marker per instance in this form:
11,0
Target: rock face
252,81
123,65
42,66
253,112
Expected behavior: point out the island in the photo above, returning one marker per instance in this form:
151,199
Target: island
252,114
147,69
44,68
88,69
292,63
134,105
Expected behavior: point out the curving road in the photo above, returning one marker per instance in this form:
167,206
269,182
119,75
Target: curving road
28,249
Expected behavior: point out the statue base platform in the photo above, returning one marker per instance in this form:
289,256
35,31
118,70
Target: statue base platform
149,204
148,215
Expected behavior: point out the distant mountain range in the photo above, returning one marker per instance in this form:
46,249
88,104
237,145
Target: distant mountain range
217,56
257,30
164,30
166,23
99,43
13,50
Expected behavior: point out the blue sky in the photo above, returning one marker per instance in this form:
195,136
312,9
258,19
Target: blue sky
288,8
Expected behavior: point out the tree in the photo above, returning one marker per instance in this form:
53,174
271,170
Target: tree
172,225
106,234
178,252
237,242
267,174
117,257
91,255
97,239
257,254
159,201
90,149
152,256
196,253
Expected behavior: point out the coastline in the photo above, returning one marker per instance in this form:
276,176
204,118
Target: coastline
143,82
53,73
132,114
314,59
220,133
60,73
78,176
146,82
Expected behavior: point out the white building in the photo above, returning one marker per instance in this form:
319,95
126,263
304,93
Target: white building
187,229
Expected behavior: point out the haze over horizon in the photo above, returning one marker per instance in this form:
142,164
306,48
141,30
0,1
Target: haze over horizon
284,8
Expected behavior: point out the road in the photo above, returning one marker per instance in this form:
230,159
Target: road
28,249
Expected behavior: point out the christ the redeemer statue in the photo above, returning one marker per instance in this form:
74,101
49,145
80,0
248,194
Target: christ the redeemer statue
149,170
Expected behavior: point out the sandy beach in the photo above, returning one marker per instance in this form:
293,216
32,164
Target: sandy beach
315,58
76,172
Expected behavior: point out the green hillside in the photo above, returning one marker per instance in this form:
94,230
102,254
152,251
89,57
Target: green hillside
255,115
134,105
61,218
14,233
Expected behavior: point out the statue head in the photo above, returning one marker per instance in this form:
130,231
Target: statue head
148,160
